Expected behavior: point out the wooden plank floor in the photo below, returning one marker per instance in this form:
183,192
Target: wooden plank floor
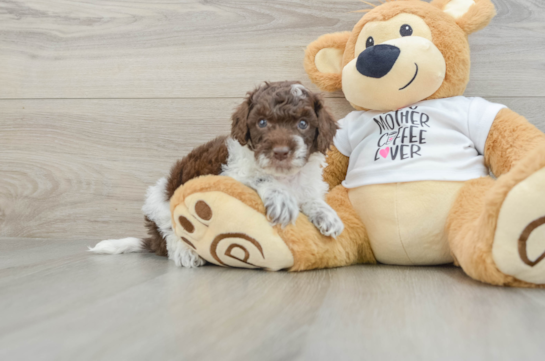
97,100
59,303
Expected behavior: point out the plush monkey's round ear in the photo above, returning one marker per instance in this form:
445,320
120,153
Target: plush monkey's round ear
470,15
324,60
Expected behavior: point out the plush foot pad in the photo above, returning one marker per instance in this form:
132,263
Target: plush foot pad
519,243
225,231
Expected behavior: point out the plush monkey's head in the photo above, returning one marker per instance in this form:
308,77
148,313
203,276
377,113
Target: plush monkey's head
400,53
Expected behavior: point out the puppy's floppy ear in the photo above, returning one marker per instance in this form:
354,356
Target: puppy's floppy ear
239,127
324,60
470,15
327,126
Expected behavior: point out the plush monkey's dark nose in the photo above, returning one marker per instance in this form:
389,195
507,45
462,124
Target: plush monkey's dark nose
377,61
281,153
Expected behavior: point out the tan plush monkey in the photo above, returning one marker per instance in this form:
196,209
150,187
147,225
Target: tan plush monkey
409,170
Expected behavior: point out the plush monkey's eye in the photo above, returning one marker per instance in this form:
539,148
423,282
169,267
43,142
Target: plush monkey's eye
303,124
406,30
370,42
262,123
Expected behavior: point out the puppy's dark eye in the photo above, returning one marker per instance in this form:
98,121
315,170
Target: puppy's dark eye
370,42
406,30
262,123
303,124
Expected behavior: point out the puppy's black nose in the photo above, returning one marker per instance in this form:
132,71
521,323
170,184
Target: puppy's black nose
377,61
281,153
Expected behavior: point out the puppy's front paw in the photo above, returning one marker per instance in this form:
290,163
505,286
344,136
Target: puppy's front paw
327,221
282,207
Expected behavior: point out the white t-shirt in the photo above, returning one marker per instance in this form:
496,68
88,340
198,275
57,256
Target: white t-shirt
441,139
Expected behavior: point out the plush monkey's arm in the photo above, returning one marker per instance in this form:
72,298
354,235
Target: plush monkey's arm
337,166
511,137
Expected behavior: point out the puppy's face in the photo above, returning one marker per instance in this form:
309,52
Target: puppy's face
283,123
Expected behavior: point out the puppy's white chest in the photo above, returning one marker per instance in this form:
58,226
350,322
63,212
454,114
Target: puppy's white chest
306,184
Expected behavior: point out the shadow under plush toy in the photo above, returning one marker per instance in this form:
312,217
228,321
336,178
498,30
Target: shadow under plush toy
413,162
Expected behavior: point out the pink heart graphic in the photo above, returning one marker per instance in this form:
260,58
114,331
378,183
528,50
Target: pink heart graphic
384,152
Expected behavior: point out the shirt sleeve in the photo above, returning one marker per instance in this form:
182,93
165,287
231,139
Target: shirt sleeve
342,139
482,114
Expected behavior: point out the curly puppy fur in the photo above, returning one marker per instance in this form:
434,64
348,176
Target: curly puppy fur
282,104
281,158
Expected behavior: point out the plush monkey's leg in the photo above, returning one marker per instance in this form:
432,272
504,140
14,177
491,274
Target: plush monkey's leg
495,227
313,250
225,222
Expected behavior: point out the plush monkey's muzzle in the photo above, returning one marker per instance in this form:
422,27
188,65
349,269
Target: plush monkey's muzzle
394,74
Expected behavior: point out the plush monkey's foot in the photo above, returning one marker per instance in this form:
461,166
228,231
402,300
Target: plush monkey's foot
519,243
224,230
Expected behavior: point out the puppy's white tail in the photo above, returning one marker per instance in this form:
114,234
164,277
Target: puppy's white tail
117,246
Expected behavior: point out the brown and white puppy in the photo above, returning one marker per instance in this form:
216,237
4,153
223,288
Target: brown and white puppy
278,139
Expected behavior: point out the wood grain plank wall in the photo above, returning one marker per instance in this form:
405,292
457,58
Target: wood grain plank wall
218,48
98,98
